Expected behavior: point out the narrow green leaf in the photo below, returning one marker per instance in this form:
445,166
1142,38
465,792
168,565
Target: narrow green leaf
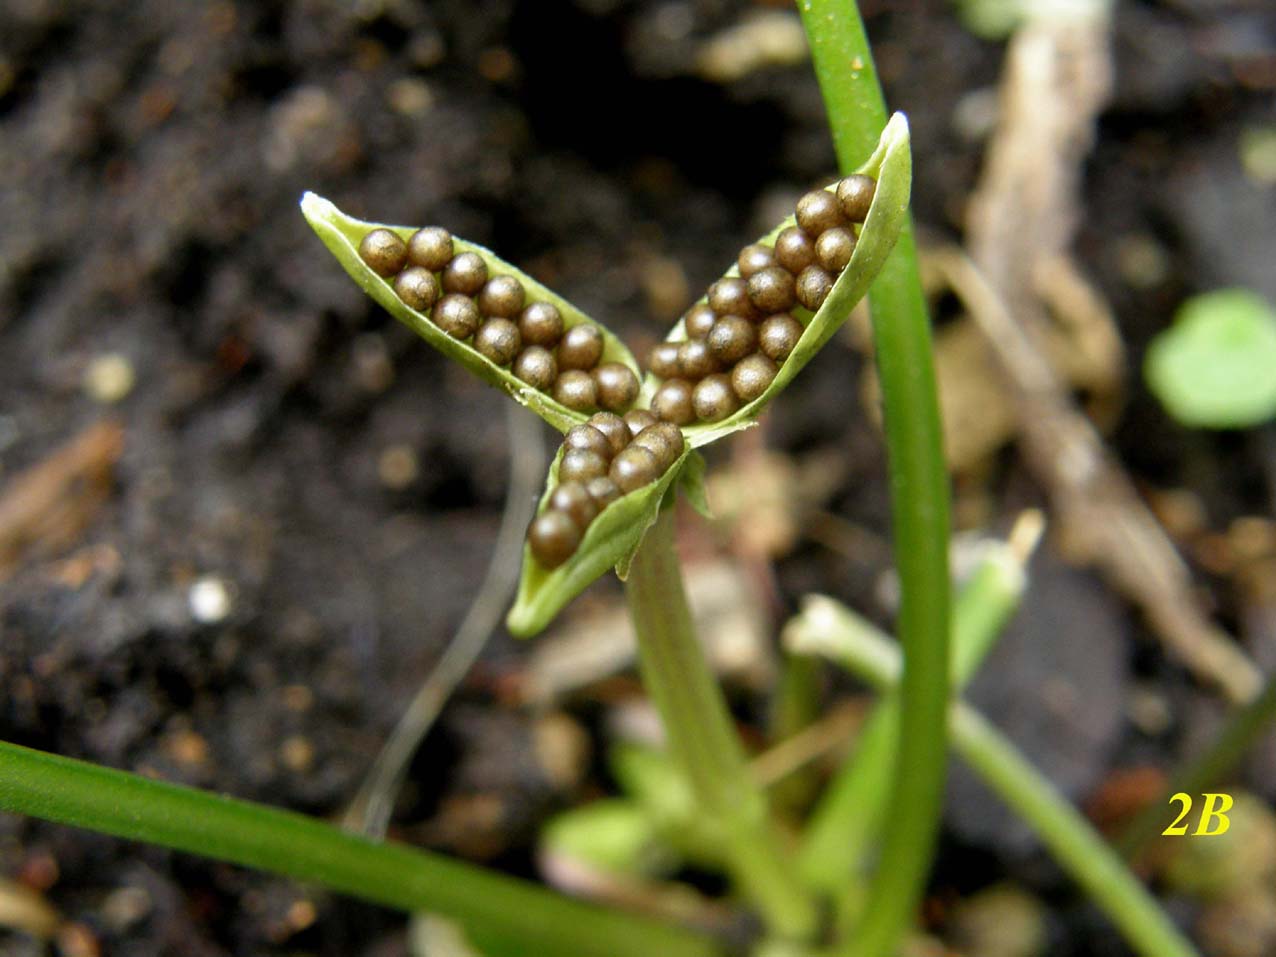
692,485
342,235
891,165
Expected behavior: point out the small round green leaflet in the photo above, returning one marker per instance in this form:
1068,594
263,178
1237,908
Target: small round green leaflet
1215,368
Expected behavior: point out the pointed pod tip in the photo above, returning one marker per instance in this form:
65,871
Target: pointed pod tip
315,207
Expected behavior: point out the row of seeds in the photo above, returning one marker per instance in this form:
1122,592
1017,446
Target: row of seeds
737,339
603,459
492,313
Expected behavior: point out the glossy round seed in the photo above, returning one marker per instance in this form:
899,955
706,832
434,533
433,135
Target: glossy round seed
634,468
417,287
754,258
383,251
855,195
456,315
466,273
536,366
581,348
498,340
574,500
772,289
813,287
699,320
638,419
589,439
778,335
663,440
501,296
794,249
576,390
580,465
672,402
713,398
663,361
554,538
613,427
695,361
541,324
729,296
603,491
617,386
834,248
752,375
732,338
430,248
817,211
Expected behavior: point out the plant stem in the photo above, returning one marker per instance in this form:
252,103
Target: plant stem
919,491
394,875
701,737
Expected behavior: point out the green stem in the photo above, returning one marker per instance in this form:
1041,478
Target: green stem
126,805
919,491
701,738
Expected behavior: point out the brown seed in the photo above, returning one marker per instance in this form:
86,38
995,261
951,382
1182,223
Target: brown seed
695,361
855,195
417,287
576,390
536,366
466,273
634,468
834,248
613,427
554,538
794,249
754,258
603,491
813,287
580,465
456,315
772,290
817,211
498,339
541,324
383,251
729,296
574,499
664,440
732,338
617,386
501,296
778,336
639,419
430,248
664,360
699,320
581,348
752,376
672,402
588,438
713,399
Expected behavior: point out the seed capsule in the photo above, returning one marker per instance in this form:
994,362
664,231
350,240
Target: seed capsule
834,248
613,427
664,440
466,274
456,315
580,465
754,258
603,491
817,211
772,289
752,376
794,249
855,195
541,324
581,348
576,390
383,251
536,366
574,499
430,248
498,339
713,399
778,336
695,361
729,296
417,287
553,537
588,438
813,287
638,419
664,360
634,468
672,402
616,384
699,320
732,338
501,296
